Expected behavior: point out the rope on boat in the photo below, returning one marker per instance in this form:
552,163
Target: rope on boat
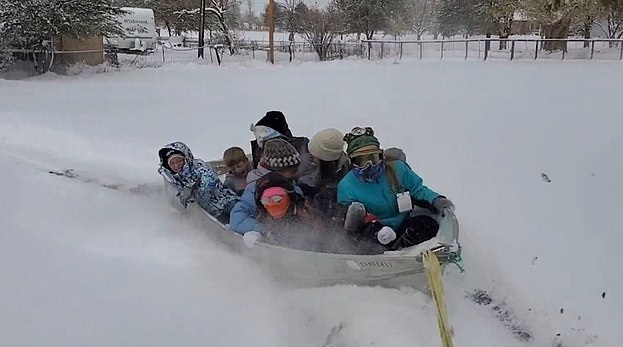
435,283
455,258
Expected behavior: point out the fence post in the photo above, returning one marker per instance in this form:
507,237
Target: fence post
290,51
563,54
420,44
441,56
382,48
592,48
400,51
369,48
512,49
218,56
163,49
466,49
253,51
536,49
621,53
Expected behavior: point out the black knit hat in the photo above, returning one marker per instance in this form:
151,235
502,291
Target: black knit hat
279,154
166,153
276,120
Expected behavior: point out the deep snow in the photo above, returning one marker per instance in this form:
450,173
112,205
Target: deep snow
81,264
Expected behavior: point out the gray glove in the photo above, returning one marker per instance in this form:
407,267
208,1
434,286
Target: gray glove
185,196
441,203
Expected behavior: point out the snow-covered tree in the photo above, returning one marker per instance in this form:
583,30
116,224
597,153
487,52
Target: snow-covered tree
29,22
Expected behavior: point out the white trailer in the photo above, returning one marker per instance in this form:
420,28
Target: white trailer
139,31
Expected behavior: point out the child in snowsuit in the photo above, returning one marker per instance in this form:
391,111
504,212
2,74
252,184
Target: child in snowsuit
194,180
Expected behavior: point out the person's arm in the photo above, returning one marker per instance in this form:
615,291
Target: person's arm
414,183
242,217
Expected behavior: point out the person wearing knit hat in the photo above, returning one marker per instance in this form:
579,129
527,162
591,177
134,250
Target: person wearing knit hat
274,126
327,150
387,191
327,144
173,160
193,180
279,154
281,159
276,120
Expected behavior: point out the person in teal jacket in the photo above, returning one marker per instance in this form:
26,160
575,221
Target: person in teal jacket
391,206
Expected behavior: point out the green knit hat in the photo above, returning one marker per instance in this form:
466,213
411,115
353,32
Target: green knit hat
363,144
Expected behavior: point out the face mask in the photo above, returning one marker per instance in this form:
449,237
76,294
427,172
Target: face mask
370,173
276,201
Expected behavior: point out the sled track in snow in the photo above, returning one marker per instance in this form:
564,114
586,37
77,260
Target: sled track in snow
142,189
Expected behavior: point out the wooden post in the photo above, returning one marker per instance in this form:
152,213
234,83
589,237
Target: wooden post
382,48
512,49
563,55
420,44
400,51
621,53
466,49
202,21
441,54
536,49
271,31
592,48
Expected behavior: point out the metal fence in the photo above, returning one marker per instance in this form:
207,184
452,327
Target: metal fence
43,58
511,49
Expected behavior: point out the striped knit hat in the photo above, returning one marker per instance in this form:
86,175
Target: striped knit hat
279,154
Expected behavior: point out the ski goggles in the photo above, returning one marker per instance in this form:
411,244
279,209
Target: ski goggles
365,160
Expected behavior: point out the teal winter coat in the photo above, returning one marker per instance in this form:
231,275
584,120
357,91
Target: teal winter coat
378,197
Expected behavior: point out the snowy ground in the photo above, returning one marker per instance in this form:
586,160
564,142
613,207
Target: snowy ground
107,263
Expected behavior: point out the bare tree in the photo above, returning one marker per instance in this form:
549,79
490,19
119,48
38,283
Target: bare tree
612,13
499,17
556,18
421,15
319,27
289,12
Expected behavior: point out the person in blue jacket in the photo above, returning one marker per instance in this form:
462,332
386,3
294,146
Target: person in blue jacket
278,156
193,179
381,196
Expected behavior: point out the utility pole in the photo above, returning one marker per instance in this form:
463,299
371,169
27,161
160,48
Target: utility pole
202,22
271,31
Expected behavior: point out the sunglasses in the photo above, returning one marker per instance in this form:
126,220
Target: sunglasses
358,131
362,161
275,199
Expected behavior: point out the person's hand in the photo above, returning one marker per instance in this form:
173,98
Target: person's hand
250,238
185,196
386,235
441,203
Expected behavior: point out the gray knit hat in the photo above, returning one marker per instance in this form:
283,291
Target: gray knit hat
279,154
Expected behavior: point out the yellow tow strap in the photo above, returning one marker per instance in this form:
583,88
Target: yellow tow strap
435,283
